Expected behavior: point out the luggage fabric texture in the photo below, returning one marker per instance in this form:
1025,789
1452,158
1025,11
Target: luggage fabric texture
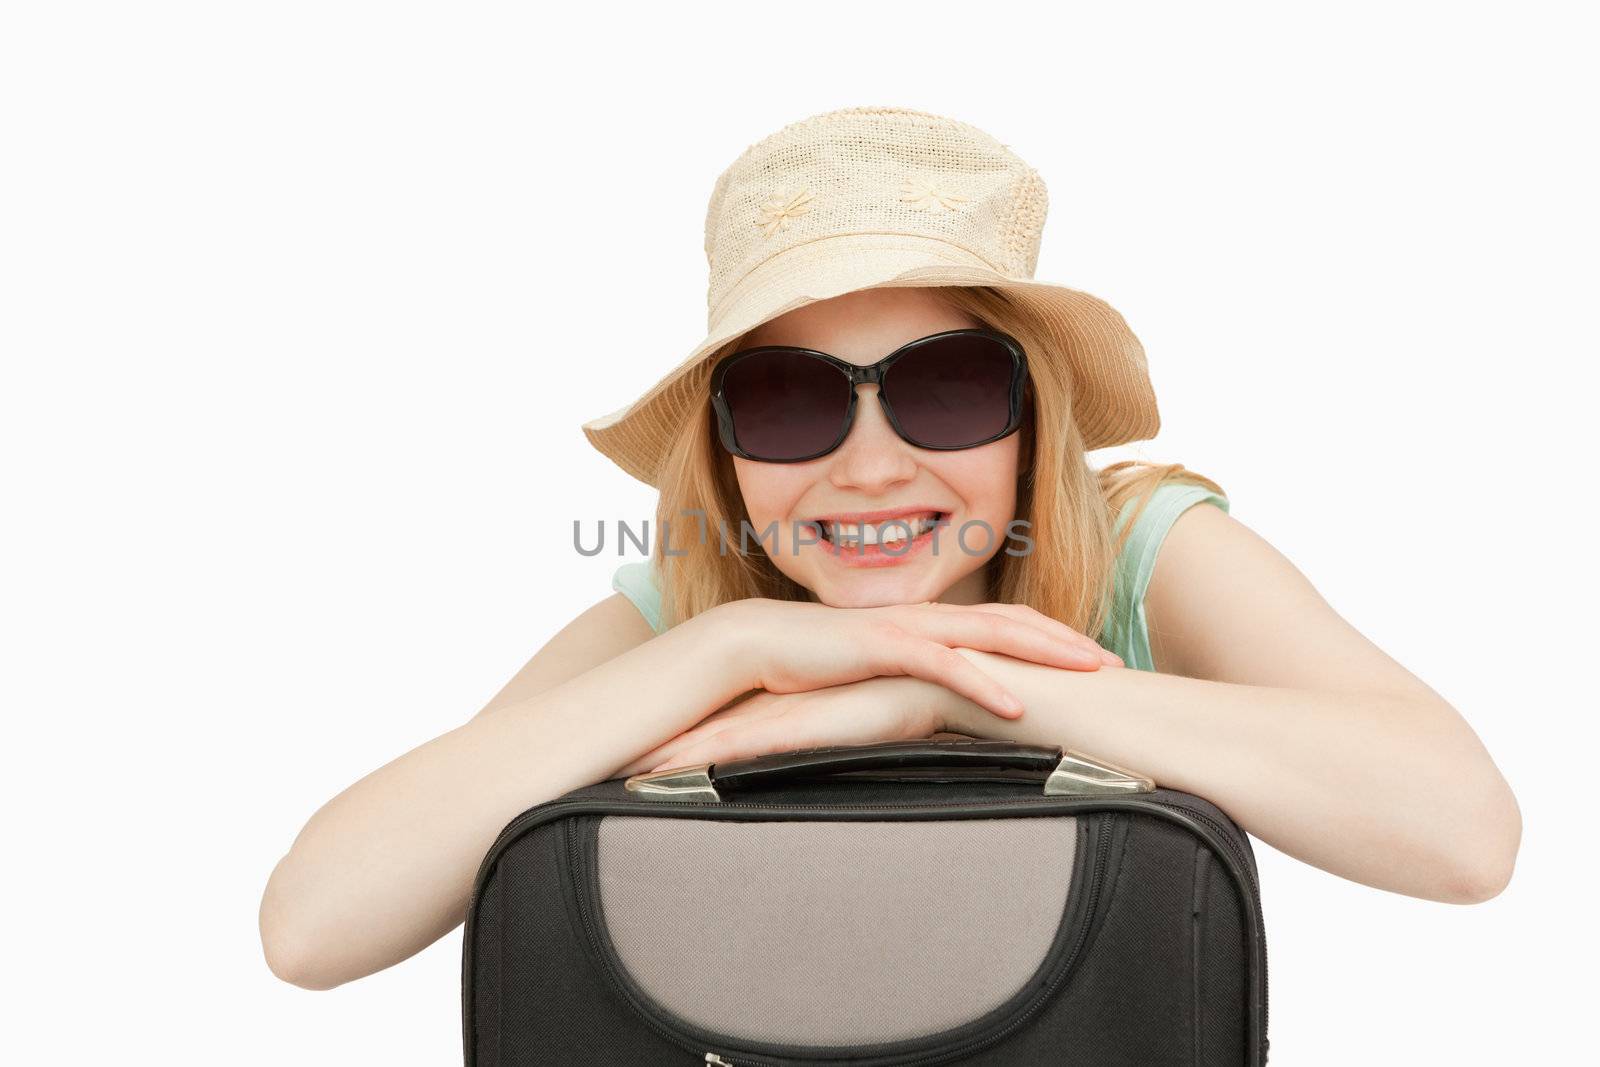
897,903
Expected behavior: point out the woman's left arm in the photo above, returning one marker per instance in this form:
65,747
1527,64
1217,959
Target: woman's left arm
1273,707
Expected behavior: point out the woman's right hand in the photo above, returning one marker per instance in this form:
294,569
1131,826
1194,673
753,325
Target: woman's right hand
793,646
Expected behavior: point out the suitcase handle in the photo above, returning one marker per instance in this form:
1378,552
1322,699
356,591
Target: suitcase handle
1063,772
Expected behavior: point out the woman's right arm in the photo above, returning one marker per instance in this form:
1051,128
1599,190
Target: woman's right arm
385,868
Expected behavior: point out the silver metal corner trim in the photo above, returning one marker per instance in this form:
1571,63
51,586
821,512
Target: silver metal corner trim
1078,774
675,783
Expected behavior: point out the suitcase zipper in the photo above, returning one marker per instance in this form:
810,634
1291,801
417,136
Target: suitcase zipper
712,1057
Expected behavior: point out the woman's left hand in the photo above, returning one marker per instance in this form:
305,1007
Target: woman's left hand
855,713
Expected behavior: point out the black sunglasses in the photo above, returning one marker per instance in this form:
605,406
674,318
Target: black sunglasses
951,390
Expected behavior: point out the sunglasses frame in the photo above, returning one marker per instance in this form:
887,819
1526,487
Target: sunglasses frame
871,375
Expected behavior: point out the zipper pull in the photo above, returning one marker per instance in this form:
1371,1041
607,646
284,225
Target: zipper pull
713,1058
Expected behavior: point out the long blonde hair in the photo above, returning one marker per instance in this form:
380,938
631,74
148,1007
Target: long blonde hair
1070,509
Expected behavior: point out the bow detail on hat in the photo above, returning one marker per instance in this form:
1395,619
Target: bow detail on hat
924,194
782,206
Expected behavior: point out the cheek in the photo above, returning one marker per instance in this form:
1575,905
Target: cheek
772,490
984,478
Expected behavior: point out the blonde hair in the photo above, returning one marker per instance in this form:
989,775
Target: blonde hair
1070,509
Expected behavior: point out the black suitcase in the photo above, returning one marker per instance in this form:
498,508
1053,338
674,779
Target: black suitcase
906,902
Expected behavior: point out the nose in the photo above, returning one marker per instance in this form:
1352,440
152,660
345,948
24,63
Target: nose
873,457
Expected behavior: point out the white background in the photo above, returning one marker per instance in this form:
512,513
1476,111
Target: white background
301,307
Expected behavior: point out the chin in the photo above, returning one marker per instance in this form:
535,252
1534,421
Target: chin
868,590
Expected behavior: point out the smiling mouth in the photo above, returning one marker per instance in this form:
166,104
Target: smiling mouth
890,532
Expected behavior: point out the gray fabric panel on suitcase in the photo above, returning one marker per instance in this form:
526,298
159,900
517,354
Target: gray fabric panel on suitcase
821,933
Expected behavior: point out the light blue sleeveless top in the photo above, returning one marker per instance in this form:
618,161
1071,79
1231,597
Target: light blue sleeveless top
1125,632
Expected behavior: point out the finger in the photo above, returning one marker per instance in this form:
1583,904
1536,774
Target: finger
668,748
994,631
817,726
763,704
1032,616
1056,624
1016,615
753,739
1035,617
704,733
934,661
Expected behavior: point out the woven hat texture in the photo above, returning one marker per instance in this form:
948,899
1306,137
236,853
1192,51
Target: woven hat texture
866,197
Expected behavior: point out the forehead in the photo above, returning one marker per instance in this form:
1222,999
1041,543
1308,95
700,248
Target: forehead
864,326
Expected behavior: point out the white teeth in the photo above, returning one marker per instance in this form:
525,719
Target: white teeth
893,531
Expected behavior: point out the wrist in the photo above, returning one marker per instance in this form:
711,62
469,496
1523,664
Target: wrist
730,637
953,713
963,715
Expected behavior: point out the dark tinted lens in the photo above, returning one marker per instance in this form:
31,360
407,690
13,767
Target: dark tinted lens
785,405
952,392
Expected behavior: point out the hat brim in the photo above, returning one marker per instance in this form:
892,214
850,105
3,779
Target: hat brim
1114,402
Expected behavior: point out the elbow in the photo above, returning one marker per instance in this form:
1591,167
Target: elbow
1479,881
1485,867
293,951
290,960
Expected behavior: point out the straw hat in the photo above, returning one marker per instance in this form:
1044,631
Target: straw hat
877,196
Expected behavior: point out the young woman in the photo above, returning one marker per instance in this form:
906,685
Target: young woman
934,557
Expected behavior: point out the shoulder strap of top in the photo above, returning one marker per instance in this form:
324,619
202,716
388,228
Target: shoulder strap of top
1126,633
637,582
